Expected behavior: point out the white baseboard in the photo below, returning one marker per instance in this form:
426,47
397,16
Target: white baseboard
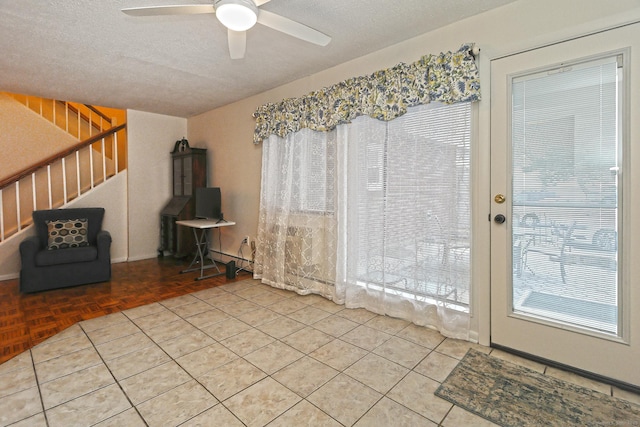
10,276
140,257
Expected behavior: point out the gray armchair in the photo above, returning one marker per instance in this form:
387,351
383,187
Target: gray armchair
77,255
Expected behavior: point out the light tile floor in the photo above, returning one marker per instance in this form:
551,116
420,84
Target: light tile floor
243,354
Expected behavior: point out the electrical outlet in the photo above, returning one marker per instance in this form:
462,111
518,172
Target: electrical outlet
246,240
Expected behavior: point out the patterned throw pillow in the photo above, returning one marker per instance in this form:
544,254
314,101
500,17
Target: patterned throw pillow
67,233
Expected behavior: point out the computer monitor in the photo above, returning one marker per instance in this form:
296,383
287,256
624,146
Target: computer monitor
208,203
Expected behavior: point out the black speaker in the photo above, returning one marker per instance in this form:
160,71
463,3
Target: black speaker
231,270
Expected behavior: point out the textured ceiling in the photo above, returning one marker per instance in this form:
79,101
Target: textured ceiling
89,51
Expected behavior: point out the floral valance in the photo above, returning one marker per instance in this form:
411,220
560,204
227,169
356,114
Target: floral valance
386,94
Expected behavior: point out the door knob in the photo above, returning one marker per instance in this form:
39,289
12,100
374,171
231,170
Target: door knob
499,219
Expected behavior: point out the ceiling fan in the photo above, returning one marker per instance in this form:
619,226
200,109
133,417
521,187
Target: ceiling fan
238,16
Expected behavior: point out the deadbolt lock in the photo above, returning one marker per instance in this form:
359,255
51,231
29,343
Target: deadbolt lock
499,198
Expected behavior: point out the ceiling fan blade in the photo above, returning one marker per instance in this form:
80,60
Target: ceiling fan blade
292,28
237,43
260,2
186,9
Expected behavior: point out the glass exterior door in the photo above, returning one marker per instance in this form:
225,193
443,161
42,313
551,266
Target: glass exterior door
563,208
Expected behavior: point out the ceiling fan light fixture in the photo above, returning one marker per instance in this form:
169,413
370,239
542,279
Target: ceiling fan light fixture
237,15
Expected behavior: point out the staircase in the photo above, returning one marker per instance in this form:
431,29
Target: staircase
63,177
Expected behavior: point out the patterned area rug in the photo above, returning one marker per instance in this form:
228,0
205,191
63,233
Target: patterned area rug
511,395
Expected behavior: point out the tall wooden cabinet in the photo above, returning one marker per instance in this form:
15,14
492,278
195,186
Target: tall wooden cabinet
189,173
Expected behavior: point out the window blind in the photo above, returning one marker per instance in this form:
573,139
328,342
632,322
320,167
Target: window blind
565,163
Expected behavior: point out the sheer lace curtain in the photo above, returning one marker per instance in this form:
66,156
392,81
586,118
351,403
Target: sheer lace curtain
297,232
373,214
404,217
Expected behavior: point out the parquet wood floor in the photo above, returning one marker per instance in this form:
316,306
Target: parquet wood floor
28,319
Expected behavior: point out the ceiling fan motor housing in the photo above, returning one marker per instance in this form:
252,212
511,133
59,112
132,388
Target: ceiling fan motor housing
236,15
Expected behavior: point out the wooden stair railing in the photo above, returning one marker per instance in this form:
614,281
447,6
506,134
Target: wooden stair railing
79,120
59,179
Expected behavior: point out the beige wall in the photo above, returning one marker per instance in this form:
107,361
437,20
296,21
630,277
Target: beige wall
151,140
235,163
22,149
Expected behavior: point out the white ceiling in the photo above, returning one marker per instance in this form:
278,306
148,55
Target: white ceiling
89,51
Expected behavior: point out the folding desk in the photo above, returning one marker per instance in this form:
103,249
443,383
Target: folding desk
202,243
